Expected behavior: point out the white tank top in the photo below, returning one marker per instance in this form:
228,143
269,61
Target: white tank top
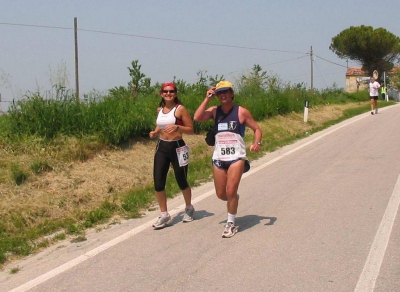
168,118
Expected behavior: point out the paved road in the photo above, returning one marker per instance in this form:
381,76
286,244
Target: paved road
318,215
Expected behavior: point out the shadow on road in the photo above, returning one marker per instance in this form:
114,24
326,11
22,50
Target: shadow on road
198,215
248,221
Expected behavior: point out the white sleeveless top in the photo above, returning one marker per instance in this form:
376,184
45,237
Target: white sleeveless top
168,118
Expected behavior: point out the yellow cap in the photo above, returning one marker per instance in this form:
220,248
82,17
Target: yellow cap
223,85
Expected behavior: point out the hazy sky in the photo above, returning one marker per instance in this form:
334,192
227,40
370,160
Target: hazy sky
176,38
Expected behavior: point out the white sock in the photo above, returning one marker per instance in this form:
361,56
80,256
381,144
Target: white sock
164,214
231,218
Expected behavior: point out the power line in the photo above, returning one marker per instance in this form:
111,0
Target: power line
304,54
154,38
330,61
322,76
192,42
269,64
34,25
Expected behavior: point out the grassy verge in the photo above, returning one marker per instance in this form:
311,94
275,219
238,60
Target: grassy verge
26,227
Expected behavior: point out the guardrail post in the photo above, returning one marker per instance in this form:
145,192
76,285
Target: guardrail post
305,111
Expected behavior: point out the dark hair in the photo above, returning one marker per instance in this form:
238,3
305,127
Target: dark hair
162,101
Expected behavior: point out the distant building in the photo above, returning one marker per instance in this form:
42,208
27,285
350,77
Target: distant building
356,79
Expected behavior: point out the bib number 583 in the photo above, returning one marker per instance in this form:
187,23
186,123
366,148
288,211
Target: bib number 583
227,150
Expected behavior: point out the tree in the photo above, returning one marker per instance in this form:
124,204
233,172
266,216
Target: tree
138,81
376,49
213,80
257,77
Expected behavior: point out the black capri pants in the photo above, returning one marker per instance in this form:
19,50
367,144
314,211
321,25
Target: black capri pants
164,156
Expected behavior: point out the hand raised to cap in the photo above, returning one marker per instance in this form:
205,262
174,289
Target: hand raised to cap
211,92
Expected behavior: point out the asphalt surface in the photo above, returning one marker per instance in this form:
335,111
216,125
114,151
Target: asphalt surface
318,215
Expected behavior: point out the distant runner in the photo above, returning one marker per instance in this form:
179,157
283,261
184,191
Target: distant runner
373,95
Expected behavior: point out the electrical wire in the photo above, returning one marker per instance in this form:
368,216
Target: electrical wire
34,25
320,74
154,38
305,54
269,64
330,61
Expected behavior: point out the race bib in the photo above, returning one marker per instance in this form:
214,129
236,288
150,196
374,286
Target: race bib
183,155
227,147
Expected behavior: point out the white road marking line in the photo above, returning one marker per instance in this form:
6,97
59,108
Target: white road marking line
72,263
372,266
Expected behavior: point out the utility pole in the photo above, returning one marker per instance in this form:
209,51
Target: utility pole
76,60
384,84
312,77
384,78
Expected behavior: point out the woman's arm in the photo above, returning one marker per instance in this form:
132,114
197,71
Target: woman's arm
246,118
154,133
203,114
187,127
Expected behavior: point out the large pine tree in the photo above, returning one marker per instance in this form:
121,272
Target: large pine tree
376,49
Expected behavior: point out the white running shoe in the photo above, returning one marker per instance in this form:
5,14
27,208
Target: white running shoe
230,230
188,217
162,222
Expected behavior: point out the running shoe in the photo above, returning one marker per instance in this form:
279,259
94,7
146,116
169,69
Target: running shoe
230,230
188,217
376,111
162,222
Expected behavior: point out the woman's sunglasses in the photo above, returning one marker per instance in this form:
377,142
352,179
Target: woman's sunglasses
169,91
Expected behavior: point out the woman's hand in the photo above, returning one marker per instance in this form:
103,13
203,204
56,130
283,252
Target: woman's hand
171,128
152,134
210,93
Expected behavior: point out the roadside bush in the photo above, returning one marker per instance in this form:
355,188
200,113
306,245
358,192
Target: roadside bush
17,174
129,112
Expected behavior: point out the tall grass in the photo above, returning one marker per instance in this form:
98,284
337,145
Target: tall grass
113,120
5,131
118,117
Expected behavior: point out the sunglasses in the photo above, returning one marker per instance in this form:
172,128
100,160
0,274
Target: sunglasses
169,91
223,91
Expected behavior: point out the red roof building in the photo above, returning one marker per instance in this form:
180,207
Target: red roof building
356,79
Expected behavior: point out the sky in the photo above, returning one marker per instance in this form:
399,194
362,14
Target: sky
176,39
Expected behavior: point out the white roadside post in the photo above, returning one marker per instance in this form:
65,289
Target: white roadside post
305,111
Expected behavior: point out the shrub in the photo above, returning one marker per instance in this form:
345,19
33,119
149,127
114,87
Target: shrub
17,175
